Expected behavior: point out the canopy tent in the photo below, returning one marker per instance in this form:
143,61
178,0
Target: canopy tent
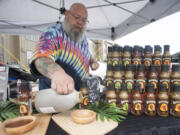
108,19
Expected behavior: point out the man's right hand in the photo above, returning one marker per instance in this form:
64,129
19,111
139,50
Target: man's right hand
62,82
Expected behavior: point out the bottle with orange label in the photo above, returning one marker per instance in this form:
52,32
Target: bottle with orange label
157,57
166,56
164,77
24,98
150,105
175,75
148,56
137,105
163,101
124,102
111,96
153,76
83,95
127,55
175,101
137,55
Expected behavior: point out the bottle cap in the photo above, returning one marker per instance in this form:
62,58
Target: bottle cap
166,48
110,48
26,86
118,68
157,48
148,48
109,67
115,48
141,67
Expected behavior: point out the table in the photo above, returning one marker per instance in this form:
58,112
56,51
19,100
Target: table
133,125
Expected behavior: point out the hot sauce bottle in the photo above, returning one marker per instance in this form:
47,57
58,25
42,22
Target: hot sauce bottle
115,55
153,76
109,55
150,106
157,57
118,76
24,98
163,101
124,102
111,96
137,105
175,75
148,56
137,55
166,56
83,96
127,55
175,101
129,77
165,76
109,75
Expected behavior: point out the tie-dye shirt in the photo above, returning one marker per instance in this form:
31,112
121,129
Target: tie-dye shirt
72,56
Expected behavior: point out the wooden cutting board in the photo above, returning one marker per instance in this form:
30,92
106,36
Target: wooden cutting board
40,128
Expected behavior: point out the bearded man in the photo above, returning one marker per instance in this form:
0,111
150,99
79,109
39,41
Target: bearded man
62,57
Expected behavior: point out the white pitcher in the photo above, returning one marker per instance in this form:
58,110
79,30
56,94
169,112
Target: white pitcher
48,101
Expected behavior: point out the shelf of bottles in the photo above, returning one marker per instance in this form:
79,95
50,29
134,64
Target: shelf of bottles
142,81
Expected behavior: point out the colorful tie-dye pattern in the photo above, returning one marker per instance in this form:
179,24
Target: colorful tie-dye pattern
55,44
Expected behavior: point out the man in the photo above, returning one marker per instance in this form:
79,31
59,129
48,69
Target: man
62,57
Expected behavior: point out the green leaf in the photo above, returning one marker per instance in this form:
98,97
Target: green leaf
101,117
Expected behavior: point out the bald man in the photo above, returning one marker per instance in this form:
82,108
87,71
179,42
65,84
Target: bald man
62,57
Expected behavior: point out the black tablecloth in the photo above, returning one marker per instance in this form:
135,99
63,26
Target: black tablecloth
142,125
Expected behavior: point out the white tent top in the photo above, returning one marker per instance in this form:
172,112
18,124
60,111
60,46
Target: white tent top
108,19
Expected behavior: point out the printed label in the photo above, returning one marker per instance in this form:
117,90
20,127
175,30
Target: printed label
154,82
164,107
166,82
109,81
126,61
142,84
147,62
117,84
115,62
177,108
151,107
129,84
157,61
166,61
137,106
136,61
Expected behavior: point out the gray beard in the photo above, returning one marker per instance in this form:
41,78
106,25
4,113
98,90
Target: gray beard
75,36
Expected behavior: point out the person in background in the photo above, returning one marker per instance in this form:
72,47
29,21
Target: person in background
62,58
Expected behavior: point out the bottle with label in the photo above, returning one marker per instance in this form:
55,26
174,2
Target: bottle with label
137,105
157,57
109,55
115,55
166,56
83,95
137,55
175,75
150,108
109,75
24,98
175,101
153,77
163,101
111,96
117,76
148,56
127,55
129,77
165,76
124,102
141,79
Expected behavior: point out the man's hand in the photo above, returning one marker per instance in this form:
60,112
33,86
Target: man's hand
60,80
93,63
62,83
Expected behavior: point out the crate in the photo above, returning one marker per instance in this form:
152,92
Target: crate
3,82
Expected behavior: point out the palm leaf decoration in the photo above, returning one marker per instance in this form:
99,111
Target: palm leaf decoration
8,109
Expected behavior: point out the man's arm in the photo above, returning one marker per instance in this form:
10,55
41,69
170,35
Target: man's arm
60,80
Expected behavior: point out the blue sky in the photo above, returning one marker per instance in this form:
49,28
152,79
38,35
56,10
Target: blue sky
164,31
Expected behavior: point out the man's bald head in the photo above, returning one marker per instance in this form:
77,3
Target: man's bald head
75,21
